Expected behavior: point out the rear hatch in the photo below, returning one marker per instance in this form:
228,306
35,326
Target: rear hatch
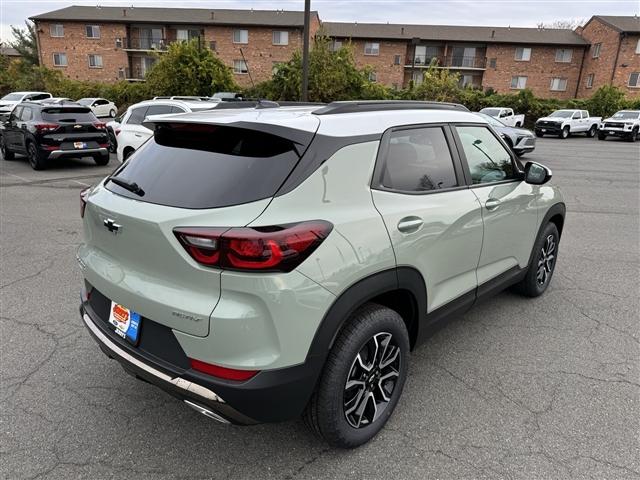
188,175
66,126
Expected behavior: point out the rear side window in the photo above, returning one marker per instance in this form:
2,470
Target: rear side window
418,160
158,110
208,166
137,115
53,114
26,114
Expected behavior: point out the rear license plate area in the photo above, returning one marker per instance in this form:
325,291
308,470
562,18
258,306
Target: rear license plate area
125,323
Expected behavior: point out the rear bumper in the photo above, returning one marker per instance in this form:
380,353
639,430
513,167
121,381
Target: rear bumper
76,153
270,396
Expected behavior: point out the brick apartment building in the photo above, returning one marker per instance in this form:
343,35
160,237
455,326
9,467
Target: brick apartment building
506,59
113,43
613,56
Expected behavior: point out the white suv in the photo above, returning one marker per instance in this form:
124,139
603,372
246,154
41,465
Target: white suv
262,264
132,133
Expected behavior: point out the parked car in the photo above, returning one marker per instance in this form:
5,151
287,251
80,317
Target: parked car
101,106
567,122
187,98
9,101
49,132
228,96
263,264
133,134
521,141
505,115
113,129
624,123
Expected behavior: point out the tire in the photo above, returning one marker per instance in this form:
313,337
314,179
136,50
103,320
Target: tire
101,160
327,411
602,136
545,254
539,134
112,113
518,125
564,133
6,153
592,131
127,153
113,142
36,160
633,136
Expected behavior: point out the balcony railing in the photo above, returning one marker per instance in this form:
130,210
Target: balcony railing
135,74
145,43
448,61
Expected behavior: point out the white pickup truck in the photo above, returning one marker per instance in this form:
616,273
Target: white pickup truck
625,123
566,122
505,115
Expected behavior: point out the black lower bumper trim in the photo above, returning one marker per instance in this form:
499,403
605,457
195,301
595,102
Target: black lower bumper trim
270,396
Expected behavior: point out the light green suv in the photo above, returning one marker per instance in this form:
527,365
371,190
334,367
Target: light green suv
263,264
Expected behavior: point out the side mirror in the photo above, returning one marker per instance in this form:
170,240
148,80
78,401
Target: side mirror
536,174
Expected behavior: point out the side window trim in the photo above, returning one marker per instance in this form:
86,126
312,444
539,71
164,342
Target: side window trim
383,150
465,164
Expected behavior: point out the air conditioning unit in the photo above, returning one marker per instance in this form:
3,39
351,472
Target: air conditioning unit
118,42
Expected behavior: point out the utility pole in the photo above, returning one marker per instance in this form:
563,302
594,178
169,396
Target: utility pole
305,52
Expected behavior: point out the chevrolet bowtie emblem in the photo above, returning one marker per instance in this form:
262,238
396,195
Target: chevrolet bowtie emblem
112,226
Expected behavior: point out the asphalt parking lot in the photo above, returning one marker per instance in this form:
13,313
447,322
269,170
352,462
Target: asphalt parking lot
517,388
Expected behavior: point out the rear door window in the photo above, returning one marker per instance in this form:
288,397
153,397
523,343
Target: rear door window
209,166
418,160
68,114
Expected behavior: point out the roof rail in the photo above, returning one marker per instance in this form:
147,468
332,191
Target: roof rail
382,105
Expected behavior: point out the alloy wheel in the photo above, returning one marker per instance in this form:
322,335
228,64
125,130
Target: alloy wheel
546,260
372,380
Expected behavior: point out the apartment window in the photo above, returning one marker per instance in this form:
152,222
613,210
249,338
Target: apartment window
241,36
373,77
60,59
95,61
56,30
563,55
372,48
638,47
590,80
523,54
558,84
634,79
213,45
596,49
397,59
336,45
93,31
518,83
240,66
280,37
493,62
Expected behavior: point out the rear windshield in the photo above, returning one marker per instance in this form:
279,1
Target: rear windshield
208,166
67,114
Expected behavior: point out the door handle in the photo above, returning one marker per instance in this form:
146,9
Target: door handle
492,203
137,135
410,224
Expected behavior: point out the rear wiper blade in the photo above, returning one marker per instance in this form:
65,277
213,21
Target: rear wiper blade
127,185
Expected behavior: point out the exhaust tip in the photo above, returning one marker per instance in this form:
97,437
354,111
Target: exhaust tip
206,412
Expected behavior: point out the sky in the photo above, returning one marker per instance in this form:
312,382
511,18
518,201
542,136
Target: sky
516,13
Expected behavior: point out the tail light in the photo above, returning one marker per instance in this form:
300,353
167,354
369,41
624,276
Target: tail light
100,125
46,127
84,193
222,372
278,248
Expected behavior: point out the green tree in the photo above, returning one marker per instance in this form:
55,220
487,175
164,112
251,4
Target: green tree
333,75
26,42
606,101
438,85
188,68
